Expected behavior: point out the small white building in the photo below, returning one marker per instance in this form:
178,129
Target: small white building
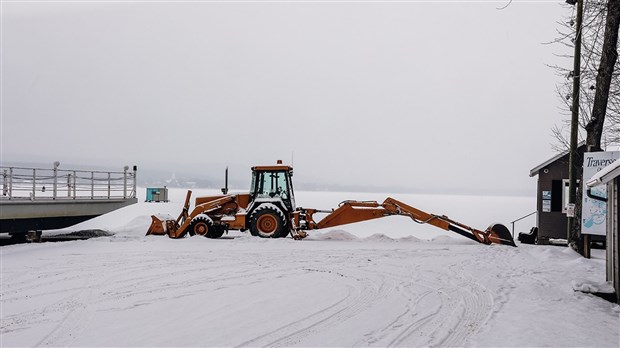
610,176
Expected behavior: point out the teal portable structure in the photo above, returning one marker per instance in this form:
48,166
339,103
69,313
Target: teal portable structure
157,194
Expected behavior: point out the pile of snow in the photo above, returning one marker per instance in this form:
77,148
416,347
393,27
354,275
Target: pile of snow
410,239
135,228
593,287
379,237
332,235
450,240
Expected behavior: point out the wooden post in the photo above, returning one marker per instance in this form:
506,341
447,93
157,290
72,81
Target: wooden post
586,246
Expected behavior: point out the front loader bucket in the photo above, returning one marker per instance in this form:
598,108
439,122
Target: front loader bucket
499,234
160,225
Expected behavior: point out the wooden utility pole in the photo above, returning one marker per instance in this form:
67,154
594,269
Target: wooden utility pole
572,161
609,56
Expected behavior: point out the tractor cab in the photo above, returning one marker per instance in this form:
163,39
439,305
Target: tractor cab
273,184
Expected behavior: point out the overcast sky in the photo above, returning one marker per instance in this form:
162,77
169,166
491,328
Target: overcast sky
448,95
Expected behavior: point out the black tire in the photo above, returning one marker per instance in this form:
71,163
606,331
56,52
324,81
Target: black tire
200,225
216,231
268,223
530,237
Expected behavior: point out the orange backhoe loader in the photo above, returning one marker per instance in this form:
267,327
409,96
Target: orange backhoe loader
269,211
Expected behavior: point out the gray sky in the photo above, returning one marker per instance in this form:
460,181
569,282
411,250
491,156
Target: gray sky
448,95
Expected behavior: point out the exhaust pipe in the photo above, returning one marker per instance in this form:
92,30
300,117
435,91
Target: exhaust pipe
225,188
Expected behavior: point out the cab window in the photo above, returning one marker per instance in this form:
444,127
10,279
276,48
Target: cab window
271,184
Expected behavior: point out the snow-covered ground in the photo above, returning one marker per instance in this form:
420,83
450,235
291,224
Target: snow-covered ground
388,282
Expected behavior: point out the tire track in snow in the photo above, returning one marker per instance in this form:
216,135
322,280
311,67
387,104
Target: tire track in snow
70,325
363,293
442,308
111,281
440,304
471,309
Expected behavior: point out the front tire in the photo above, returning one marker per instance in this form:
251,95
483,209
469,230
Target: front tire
268,223
216,231
201,225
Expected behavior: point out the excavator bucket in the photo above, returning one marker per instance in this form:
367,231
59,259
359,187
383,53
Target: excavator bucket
499,234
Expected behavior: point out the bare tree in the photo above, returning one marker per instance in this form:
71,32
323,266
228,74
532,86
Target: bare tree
595,14
604,77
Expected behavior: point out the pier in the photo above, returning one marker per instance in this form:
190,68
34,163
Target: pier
36,199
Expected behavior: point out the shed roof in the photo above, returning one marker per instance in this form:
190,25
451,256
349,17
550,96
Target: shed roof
537,169
605,175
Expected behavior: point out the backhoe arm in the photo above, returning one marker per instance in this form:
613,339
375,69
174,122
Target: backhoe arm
357,211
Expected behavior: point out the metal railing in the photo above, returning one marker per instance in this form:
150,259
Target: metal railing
40,183
519,219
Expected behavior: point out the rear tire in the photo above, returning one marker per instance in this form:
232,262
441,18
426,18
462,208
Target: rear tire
268,223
